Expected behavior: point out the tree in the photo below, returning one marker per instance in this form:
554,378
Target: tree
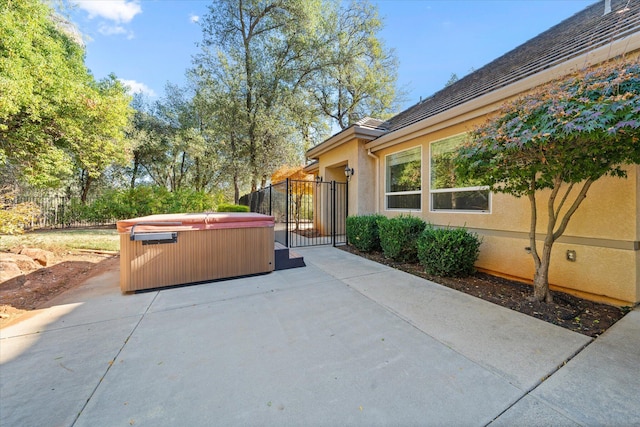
277,72
99,141
224,119
556,141
454,78
182,129
253,54
55,119
358,76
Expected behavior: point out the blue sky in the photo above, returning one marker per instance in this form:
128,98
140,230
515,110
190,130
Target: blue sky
151,42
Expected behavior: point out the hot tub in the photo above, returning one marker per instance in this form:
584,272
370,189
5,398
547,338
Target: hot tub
175,249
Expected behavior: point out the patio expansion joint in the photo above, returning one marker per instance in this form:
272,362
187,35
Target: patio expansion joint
525,392
342,279
238,297
112,362
542,380
416,327
63,328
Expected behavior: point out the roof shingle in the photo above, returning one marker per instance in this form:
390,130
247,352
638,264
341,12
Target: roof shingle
584,31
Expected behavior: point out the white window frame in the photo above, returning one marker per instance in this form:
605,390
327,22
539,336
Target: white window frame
454,189
403,193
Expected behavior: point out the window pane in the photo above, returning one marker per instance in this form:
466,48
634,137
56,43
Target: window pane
442,170
404,171
403,201
461,200
447,145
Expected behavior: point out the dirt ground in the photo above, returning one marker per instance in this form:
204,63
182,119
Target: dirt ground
18,297
570,312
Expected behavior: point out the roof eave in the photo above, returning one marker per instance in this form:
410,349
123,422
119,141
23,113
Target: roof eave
492,101
349,134
312,167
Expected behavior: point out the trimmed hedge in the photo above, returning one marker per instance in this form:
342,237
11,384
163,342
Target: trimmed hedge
399,237
362,232
448,251
228,207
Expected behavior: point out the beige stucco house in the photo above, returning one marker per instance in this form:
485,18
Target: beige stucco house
604,234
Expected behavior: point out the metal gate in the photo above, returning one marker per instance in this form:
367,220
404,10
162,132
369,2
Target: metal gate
307,213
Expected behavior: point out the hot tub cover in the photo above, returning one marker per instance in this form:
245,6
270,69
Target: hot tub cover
195,221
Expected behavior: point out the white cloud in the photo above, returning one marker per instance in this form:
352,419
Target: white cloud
194,18
112,30
120,11
137,87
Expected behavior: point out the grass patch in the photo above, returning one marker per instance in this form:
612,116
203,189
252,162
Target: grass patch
65,240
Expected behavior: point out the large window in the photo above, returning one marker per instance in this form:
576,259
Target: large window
404,179
448,192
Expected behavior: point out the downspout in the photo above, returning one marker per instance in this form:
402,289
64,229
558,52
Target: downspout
370,154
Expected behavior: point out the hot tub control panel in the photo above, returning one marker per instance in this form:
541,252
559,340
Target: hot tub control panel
155,238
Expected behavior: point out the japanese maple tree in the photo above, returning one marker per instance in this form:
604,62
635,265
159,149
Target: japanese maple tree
560,137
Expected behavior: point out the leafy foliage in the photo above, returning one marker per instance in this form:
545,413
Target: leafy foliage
358,76
227,207
290,172
115,205
14,218
273,75
567,133
363,233
580,128
300,192
399,237
56,121
448,251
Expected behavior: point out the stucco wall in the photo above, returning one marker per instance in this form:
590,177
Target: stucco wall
603,232
362,191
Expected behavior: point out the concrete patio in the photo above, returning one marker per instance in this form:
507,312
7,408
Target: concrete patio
343,341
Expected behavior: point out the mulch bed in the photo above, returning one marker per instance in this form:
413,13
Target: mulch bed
570,312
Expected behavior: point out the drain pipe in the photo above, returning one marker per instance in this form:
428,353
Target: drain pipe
370,154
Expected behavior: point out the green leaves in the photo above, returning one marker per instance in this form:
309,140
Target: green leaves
54,117
399,236
582,127
275,75
448,251
569,131
362,232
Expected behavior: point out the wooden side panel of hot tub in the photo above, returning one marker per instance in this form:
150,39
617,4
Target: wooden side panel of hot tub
197,256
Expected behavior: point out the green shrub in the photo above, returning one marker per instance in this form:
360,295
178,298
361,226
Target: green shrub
362,232
228,207
399,237
148,200
113,205
73,211
15,218
448,251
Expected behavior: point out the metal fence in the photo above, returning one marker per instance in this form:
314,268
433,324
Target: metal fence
63,212
307,213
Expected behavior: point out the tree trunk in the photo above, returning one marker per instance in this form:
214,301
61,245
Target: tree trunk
134,173
86,184
236,189
541,290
